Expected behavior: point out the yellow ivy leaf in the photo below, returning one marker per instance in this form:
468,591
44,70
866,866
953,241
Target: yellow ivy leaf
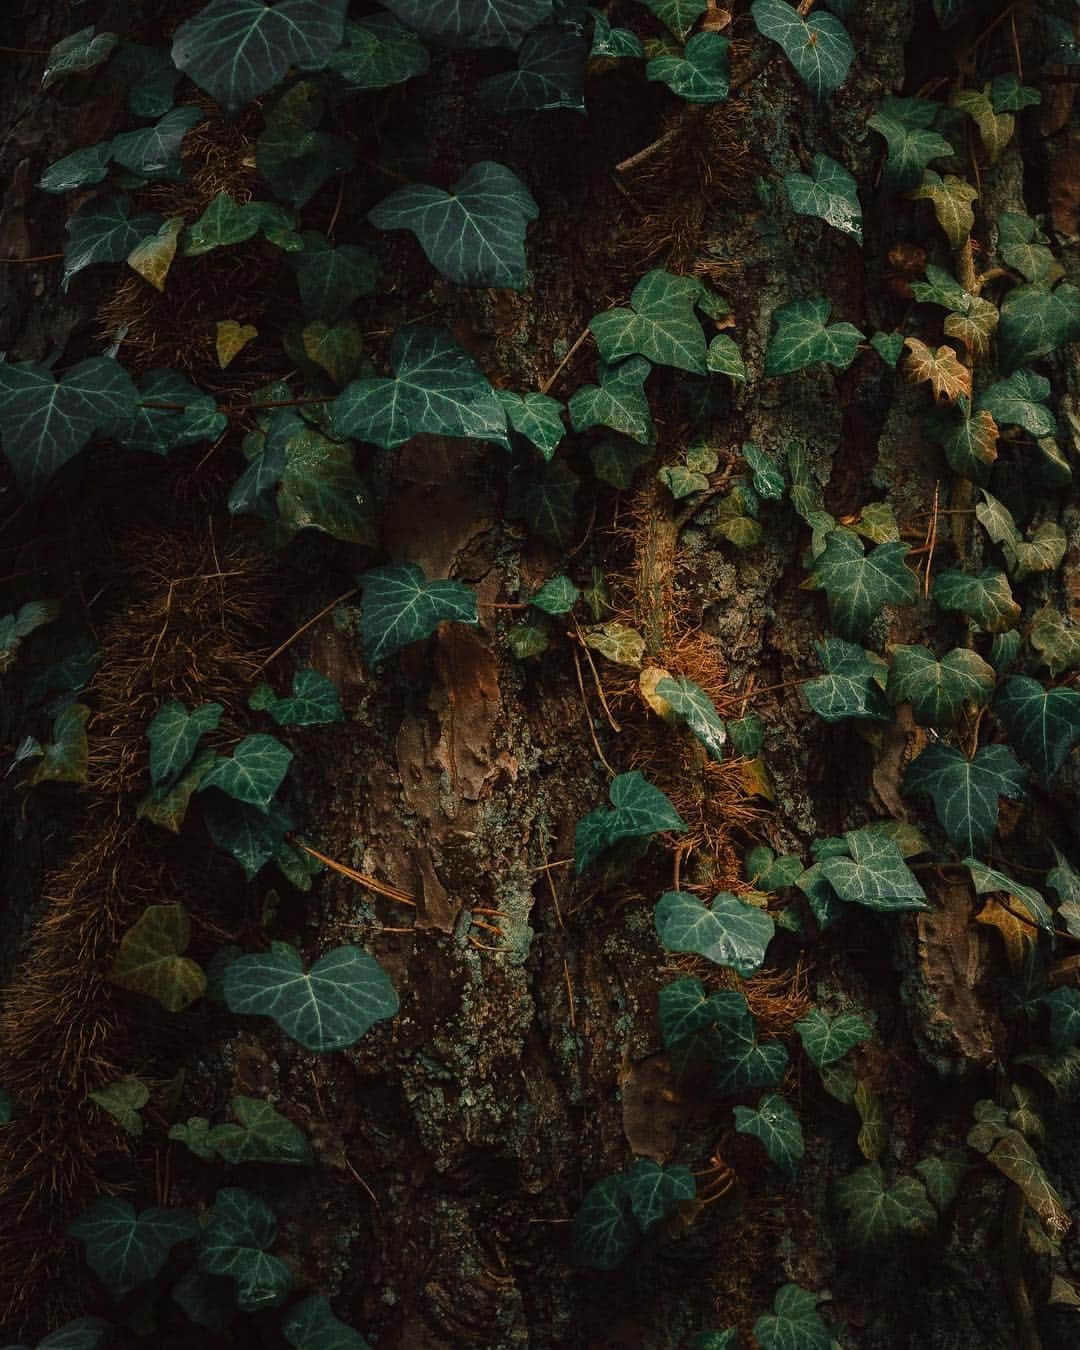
995,129
647,681
1015,934
617,642
975,328
337,348
951,198
756,780
871,1139
232,338
153,257
948,378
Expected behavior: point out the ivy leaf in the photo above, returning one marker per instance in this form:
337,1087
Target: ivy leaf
826,1039
45,422
337,349
401,607
76,53
965,791
103,230
314,702
793,1323
153,256
830,193
801,334
969,440
1043,725
618,402
1057,642
252,836
777,1126
331,1006
951,198
1007,94
234,1244
377,52
654,1191
167,806
238,49
716,1340
617,459
173,735
888,346
637,809
617,642
474,234
875,875
906,124
974,327
473,23
527,640
682,482
938,690
125,1249
948,378
746,1063
660,324
558,595
731,933
150,77
986,598
65,758
876,1216
81,168
1064,1006
677,15
321,489
850,687
995,128
1014,1157
1036,321
14,627
1019,401
612,42
330,278
262,1135
437,389
149,959
292,154
700,74
84,1333
604,1233
690,703
123,1100
818,47
724,358
227,222
154,152
685,1008
537,417
159,430
311,1325
253,774
942,1176
207,1300
858,584
550,74
544,497
989,881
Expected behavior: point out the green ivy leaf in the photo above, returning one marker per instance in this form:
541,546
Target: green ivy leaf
986,598
660,325
251,835
995,128
537,417
337,349
14,627
692,706
830,193
826,1039
716,1340
123,1100
167,806
330,278
550,74
617,642
558,595
617,459
965,791
618,402
154,152
818,46
654,1192
261,1135
876,1216
437,389
81,168
850,686
858,585
1064,1006
207,1300
801,334
1043,725
951,198
320,488
150,77
604,1233
45,422
942,1176
150,961
686,1008
543,496
1036,321
331,1006
377,52
777,1126
1019,401
473,23
311,1325
700,74
234,1244
938,690
253,774
888,346
1056,641
76,53
1007,94
677,15
968,439
174,734
314,702
195,1135
906,124
989,881
794,1323
159,430
730,932
125,1249
745,1063
292,154
84,1333
238,49
637,809
875,875
612,42
1014,1157
682,482
474,234
226,222
724,358
103,230
527,640
65,759
400,607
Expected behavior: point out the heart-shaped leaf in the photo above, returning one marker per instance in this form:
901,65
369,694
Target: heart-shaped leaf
618,402
604,1232
76,53
777,1126
550,74
818,46
376,52
320,488
537,417
125,1249
906,124
876,1215
558,595
617,642
153,257
875,875
400,606
80,169
174,734
995,128
859,584
311,1325
637,809
826,1039
686,1008
677,15
231,339
473,23
292,154
1019,401
330,278
700,74
150,961
14,627
744,1063
691,705
65,759
965,791
261,1135
160,429
474,234
437,389
103,230
942,369
251,835
237,49
227,222
969,441
660,324
154,152
1036,321
730,931
234,1244
655,1191
951,198
167,806
254,772
989,881
612,42
724,358
850,686
802,335
331,1006
315,701
123,1100
544,497
938,690
986,598
829,193
149,76
1043,725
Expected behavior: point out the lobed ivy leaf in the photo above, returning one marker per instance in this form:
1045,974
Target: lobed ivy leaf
84,1333
801,334
888,346
167,806
951,198
793,1323
550,74
161,429
907,126
207,1300
400,607
473,23
818,46
654,1191
474,234
227,222
830,193
125,1249
938,690
1014,1157
82,168
986,598
544,496
617,642
1019,400
989,881
965,791
677,15
14,627
730,932
330,279
716,1340
234,1244
744,1063
777,1126
149,75
311,1325
294,156
1036,321
154,152
875,875
558,595
826,1039
65,759
637,809
149,959
76,54
254,772
968,439
692,706
859,584
103,230
314,702
612,42
376,52
604,1233
941,368
686,1008
337,349
700,74
1043,725
320,488
1007,94
331,1006
238,49
123,1100
942,1176
437,389
660,324
253,836
618,402
174,734
1056,640
1064,1007
877,1216
850,687
995,128
260,1135
537,417
724,358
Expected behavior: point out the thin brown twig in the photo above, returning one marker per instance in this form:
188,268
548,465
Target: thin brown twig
361,878
931,542
563,363
588,714
305,626
41,257
595,674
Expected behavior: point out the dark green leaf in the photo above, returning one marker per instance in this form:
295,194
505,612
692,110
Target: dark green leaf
612,42
938,690
330,278
988,881
660,325
173,735
262,1135
1036,321
536,417
906,124
558,595
149,959
311,1325
850,688
829,193
161,429
942,1176
253,774
637,809
744,1062
14,627
79,169
686,1008
654,1191
154,152
543,496
378,51
677,15
1043,725
550,74
251,835
875,875
227,222
76,53
604,1233
858,585
400,607
818,46
826,1039
321,489
618,402
103,230
794,1323
876,1216
314,702
65,758
777,1126
125,1249
234,1244
700,74
123,1100
888,346
692,706
150,77
292,154
473,23
965,791
526,640
801,334
207,1300
730,932
986,598
724,358
1018,401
